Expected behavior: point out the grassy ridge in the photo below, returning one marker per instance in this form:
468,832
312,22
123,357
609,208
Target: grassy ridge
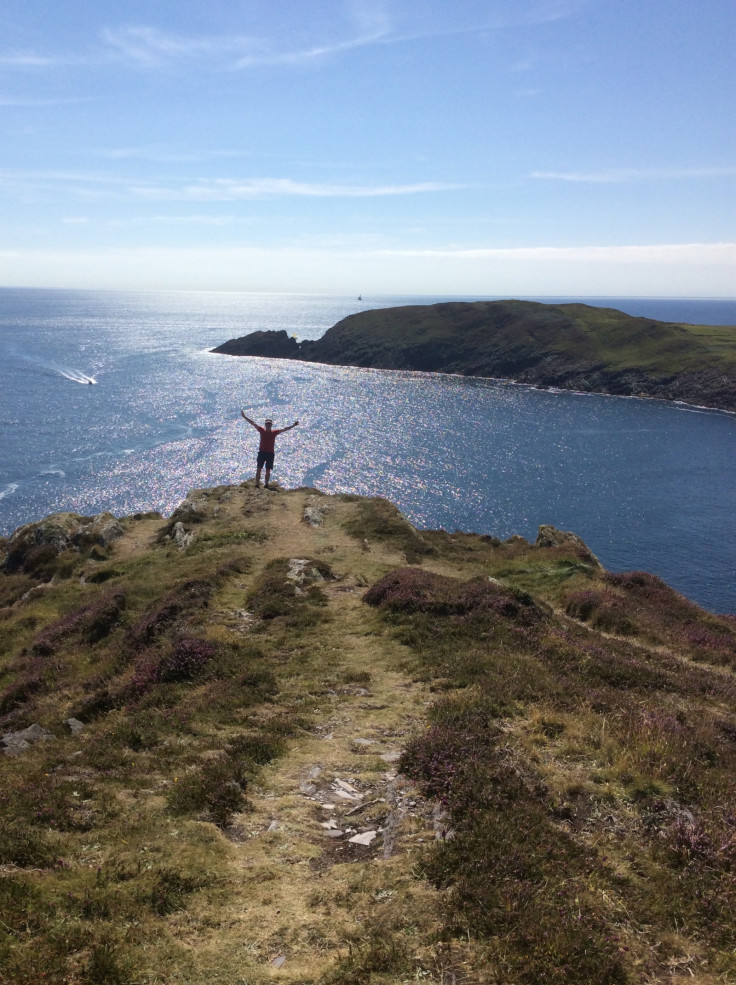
568,733
519,331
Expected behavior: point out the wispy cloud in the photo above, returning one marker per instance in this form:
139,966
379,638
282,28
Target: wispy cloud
26,59
622,175
90,183
148,47
364,23
230,190
355,24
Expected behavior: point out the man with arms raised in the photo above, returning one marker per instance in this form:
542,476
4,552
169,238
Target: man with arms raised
266,449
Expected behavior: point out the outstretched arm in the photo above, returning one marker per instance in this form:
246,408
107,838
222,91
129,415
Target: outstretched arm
290,427
242,414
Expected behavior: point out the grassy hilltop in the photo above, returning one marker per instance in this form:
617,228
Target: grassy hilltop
283,736
572,346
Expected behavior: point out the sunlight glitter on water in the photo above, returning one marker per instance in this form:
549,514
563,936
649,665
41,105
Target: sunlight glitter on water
646,484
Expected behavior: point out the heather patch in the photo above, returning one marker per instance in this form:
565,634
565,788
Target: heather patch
414,590
52,801
214,790
602,609
13,587
655,739
185,600
660,614
502,868
26,847
186,660
91,623
22,690
465,633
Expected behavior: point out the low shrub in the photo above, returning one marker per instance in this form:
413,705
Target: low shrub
215,790
380,954
185,600
603,609
274,594
25,847
21,691
188,659
510,875
13,587
49,800
414,590
91,623
257,748
171,889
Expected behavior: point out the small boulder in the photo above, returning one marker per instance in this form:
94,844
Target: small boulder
181,537
16,742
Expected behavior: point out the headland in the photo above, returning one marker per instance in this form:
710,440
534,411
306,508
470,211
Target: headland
567,346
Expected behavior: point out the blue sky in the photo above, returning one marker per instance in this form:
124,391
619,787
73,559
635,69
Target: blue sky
478,147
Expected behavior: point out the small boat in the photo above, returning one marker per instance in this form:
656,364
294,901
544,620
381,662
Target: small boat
360,297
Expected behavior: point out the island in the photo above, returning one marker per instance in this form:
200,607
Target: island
287,736
566,346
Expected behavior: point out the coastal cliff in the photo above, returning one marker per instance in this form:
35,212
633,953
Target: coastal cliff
568,346
286,734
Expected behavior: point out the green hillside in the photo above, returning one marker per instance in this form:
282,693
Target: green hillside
283,736
572,346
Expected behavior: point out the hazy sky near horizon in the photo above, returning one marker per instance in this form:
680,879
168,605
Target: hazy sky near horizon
480,147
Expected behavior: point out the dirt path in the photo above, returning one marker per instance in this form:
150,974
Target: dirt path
333,830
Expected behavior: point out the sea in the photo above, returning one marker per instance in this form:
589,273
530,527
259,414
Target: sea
113,401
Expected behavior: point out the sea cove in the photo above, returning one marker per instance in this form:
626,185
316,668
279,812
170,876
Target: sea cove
647,484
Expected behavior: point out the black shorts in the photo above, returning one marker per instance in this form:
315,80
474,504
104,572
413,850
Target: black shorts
265,458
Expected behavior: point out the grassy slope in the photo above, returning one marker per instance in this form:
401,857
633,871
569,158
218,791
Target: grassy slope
582,332
572,730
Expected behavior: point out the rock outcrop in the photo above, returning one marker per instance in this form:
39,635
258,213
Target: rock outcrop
59,532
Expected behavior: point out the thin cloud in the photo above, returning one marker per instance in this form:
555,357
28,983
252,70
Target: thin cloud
212,190
678,253
365,23
371,23
623,175
59,177
148,47
225,190
27,59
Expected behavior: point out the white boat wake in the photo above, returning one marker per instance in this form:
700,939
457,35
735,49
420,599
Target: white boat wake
75,375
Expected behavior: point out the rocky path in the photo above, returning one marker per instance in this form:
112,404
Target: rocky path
333,830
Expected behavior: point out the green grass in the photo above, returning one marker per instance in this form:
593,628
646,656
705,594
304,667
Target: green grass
378,519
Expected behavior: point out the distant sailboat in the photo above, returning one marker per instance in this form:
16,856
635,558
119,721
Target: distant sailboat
360,297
